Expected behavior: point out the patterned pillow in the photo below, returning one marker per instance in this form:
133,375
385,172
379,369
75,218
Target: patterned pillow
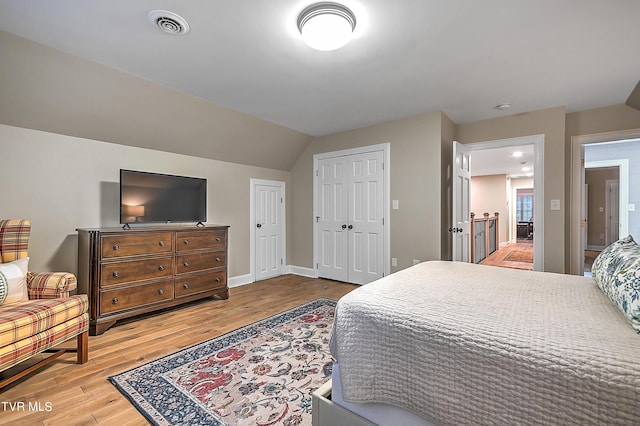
616,270
13,281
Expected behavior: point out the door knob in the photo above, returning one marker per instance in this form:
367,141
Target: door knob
344,226
350,226
259,225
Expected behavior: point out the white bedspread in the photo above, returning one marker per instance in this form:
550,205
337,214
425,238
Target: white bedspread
464,344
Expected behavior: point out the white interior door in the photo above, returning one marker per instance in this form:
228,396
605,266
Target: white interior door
269,232
365,229
350,217
332,218
461,208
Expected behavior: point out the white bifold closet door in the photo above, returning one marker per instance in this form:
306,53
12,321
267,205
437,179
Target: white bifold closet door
350,217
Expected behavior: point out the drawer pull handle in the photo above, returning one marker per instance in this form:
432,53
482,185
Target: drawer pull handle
217,280
161,268
186,241
218,239
185,263
217,259
160,291
161,243
114,300
185,285
116,274
116,246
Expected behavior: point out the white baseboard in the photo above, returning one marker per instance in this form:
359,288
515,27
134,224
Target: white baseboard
241,280
300,270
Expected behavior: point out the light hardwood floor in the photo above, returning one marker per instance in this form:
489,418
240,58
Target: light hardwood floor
497,258
70,394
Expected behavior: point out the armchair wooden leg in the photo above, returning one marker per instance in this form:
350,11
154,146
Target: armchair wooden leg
83,347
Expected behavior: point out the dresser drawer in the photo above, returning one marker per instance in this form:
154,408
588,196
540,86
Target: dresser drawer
189,240
114,246
135,270
135,297
196,283
194,262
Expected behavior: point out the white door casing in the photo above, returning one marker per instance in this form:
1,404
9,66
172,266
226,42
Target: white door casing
268,228
461,208
538,186
578,144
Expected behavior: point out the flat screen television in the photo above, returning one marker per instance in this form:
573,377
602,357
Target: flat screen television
147,197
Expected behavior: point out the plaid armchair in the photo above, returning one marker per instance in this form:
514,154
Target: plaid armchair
14,242
50,316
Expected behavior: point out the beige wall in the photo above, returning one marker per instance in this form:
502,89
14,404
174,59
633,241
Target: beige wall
415,182
45,89
61,183
489,195
550,123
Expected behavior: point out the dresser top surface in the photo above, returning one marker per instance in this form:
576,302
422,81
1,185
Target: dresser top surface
155,228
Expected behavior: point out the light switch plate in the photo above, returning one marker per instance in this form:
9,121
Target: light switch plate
632,207
396,204
555,204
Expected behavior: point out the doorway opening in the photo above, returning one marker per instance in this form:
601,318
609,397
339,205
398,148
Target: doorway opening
515,194
619,150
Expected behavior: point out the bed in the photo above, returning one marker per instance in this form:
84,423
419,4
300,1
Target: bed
452,343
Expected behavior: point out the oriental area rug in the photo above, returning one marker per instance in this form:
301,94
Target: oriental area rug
260,374
520,256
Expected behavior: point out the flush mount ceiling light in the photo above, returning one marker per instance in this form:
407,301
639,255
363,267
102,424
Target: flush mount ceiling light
169,22
326,26
502,107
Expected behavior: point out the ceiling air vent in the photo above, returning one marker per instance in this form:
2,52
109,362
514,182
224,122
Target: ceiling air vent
169,22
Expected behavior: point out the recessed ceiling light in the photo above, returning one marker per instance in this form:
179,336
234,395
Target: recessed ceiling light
502,107
326,26
517,154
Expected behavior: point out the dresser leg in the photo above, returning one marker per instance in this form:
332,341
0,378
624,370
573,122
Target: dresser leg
96,329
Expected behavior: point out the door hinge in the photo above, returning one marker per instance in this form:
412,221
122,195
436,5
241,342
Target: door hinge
317,219
282,261
383,221
317,174
281,200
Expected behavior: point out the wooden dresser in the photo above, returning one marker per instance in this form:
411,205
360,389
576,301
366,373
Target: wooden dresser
134,271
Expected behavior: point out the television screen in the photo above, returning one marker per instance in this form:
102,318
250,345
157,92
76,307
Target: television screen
155,197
